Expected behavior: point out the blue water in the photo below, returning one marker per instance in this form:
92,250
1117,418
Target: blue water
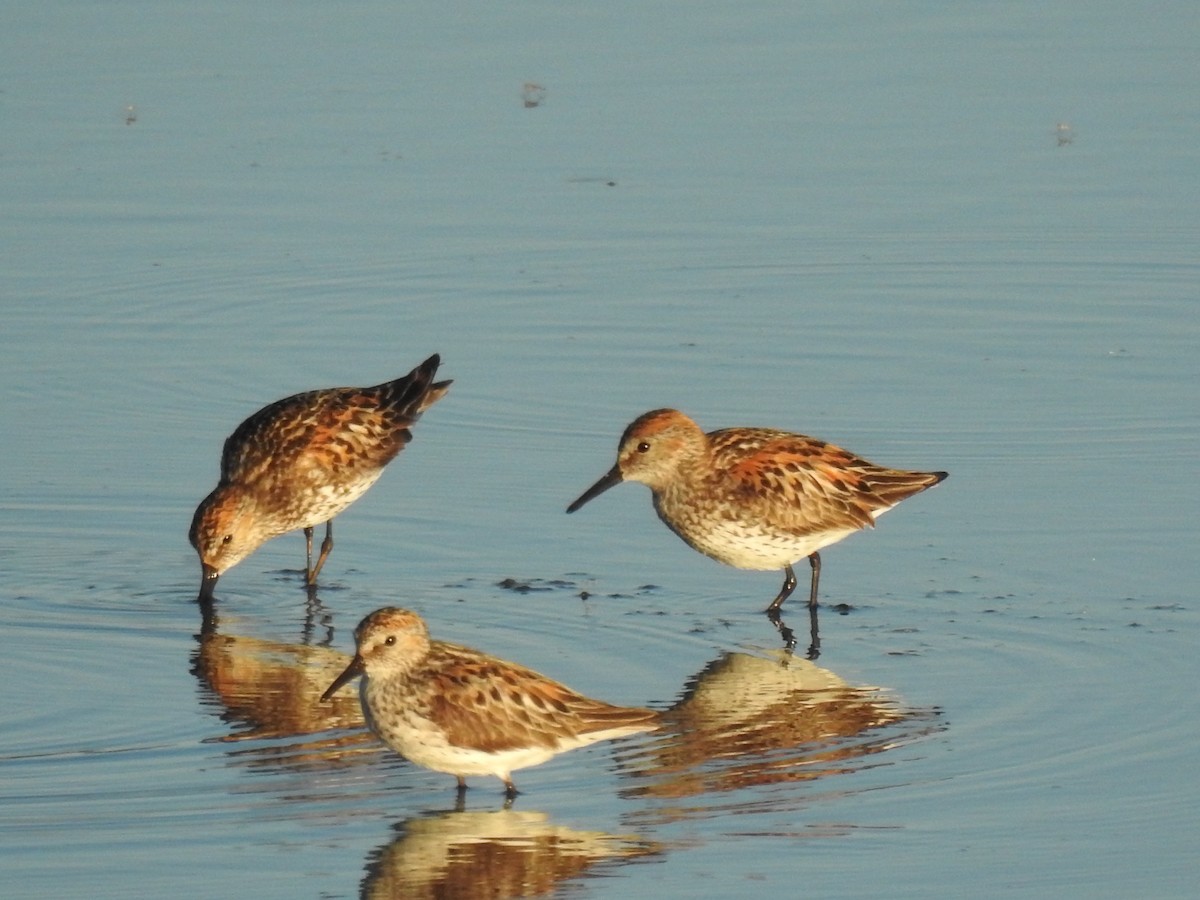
960,239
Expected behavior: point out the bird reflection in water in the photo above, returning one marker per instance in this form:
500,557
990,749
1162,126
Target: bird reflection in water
497,854
270,690
789,636
748,720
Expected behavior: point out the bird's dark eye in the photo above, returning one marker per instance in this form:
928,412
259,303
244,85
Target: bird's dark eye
389,640
227,539
643,447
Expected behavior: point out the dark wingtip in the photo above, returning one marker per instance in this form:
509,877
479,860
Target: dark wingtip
412,394
422,374
941,476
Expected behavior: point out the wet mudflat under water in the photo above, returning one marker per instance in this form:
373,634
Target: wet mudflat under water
957,240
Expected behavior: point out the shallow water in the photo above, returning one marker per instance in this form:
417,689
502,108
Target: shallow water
861,223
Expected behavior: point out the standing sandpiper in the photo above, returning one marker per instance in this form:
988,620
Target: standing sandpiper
755,498
456,710
301,461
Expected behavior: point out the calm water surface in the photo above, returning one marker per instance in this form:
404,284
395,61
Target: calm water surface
961,240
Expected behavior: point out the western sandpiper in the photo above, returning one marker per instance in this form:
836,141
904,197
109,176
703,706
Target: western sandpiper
456,710
300,462
755,498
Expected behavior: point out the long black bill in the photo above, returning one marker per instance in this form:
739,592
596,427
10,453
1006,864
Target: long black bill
610,478
352,671
208,583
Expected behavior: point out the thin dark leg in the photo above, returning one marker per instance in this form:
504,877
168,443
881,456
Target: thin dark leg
814,560
307,551
326,546
510,790
789,585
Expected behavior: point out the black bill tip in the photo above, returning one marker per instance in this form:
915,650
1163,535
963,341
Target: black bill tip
609,479
351,672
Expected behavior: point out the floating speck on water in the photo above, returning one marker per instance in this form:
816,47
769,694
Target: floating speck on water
532,95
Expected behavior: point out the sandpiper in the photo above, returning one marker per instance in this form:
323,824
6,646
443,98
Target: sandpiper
302,460
755,498
454,709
